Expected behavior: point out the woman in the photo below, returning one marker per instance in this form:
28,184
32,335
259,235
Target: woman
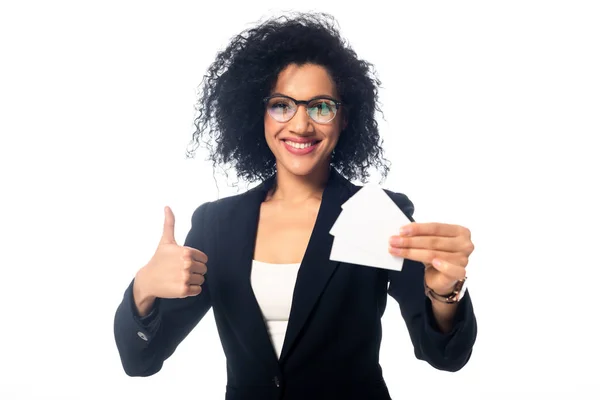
290,104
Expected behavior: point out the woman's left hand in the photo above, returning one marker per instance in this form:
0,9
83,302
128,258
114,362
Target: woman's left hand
443,248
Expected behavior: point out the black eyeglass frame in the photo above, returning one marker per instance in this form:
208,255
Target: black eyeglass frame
337,103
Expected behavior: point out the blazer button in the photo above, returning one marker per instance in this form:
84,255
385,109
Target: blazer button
276,380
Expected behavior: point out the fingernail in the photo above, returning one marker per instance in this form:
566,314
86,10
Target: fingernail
436,262
405,231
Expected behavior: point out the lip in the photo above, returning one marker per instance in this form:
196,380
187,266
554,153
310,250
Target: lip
300,152
301,140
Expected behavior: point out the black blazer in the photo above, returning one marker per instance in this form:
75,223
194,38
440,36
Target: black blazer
331,347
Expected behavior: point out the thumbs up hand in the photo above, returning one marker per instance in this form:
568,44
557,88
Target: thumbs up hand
173,272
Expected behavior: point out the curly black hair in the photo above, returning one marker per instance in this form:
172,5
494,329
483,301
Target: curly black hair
231,111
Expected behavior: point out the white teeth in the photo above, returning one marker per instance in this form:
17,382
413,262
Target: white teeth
299,145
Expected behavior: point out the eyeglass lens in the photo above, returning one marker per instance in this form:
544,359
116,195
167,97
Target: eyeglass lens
283,109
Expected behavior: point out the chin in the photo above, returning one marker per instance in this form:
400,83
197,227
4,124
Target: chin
300,170
303,168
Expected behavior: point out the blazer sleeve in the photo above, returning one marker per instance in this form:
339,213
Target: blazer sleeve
145,343
445,351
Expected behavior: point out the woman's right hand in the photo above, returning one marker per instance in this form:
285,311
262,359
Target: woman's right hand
173,272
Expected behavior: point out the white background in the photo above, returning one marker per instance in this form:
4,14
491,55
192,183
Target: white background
492,115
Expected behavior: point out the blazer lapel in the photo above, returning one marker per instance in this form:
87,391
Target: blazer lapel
235,289
316,267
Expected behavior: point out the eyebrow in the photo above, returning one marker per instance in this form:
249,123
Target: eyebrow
319,96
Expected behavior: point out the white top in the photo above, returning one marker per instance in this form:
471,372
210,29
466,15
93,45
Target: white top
273,286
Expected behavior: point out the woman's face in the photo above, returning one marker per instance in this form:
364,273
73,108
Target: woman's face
288,140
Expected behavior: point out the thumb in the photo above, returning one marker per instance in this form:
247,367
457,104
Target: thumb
168,236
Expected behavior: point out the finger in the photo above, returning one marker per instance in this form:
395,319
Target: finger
168,235
194,267
449,269
193,290
190,253
425,256
431,229
196,279
198,268
439,243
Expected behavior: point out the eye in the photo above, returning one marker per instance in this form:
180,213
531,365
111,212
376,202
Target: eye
322,107
279,105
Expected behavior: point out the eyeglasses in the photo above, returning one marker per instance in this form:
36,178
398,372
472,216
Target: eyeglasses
283,108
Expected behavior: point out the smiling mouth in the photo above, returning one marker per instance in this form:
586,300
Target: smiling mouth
300,146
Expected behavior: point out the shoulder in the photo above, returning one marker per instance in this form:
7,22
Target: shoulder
402,201
210,211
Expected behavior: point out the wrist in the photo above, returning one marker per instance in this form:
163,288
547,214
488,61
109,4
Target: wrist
451,296
443,314
445,291
142,297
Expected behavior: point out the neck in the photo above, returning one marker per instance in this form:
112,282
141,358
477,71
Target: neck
292,188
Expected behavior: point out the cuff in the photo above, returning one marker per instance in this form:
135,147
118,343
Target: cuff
458,340
144,328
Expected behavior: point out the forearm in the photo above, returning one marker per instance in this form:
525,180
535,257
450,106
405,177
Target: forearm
143,346
136,341
449,333
444,315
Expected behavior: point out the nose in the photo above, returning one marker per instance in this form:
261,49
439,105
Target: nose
300,122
